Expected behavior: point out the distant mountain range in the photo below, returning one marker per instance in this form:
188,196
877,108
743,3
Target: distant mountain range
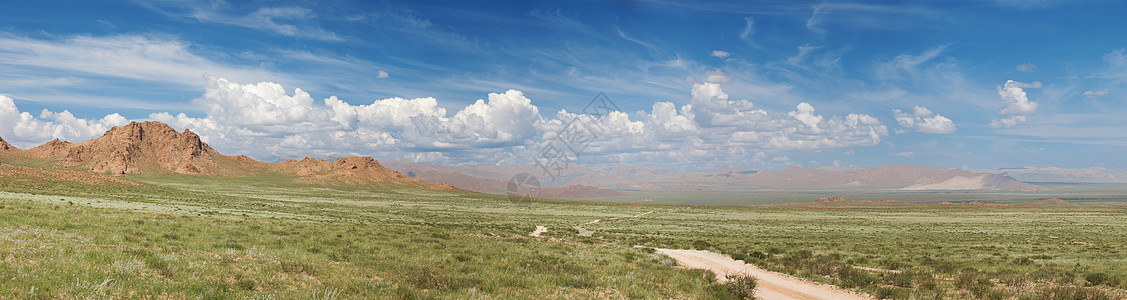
491,178
1054,174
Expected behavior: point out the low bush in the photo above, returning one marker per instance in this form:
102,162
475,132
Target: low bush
1072,292
1099,278
742,286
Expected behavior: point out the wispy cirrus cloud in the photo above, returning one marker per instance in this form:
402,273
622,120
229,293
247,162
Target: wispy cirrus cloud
294,21
136,57
748,32
1095,93
907,65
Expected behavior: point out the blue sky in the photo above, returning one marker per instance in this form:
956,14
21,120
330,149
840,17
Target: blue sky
747,84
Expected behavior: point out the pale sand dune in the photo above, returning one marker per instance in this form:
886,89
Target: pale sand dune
955,183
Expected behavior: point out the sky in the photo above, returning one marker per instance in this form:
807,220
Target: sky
695,86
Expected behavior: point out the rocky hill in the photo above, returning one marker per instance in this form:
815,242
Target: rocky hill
350,171
145,148
53,149
460,180
156,148
9,152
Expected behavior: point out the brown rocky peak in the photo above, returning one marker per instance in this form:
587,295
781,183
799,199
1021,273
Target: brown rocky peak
4,146
357,162
54,148
355,170
136,132
192,143
55,143
145,147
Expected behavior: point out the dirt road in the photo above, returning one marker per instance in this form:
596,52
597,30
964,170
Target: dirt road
770,285
643,214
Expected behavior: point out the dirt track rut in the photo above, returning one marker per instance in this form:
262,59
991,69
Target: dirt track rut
770,285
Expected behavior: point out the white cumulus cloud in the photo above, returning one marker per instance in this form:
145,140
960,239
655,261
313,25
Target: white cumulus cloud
268,121
246,116
716,76
1015,103
26,130
721,53
923,120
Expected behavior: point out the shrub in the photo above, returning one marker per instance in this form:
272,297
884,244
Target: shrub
965,279
157,263
892,293
297,267
701,245
757,255
1098,278
892,264
850,277
903,279
803,254
1072,292
429,279
245,283
742,286
739,256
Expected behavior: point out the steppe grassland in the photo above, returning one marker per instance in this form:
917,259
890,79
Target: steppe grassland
186,243
913,252
264,237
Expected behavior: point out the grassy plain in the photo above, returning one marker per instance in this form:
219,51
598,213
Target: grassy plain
264,238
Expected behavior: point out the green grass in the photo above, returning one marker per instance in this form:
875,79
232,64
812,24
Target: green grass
310,242
265,237
1007,253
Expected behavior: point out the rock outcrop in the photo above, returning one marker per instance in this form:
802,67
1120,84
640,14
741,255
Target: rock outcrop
4,146
54,148
830,199
355,170
145,148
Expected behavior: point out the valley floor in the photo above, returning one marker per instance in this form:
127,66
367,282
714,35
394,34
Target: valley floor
198,237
